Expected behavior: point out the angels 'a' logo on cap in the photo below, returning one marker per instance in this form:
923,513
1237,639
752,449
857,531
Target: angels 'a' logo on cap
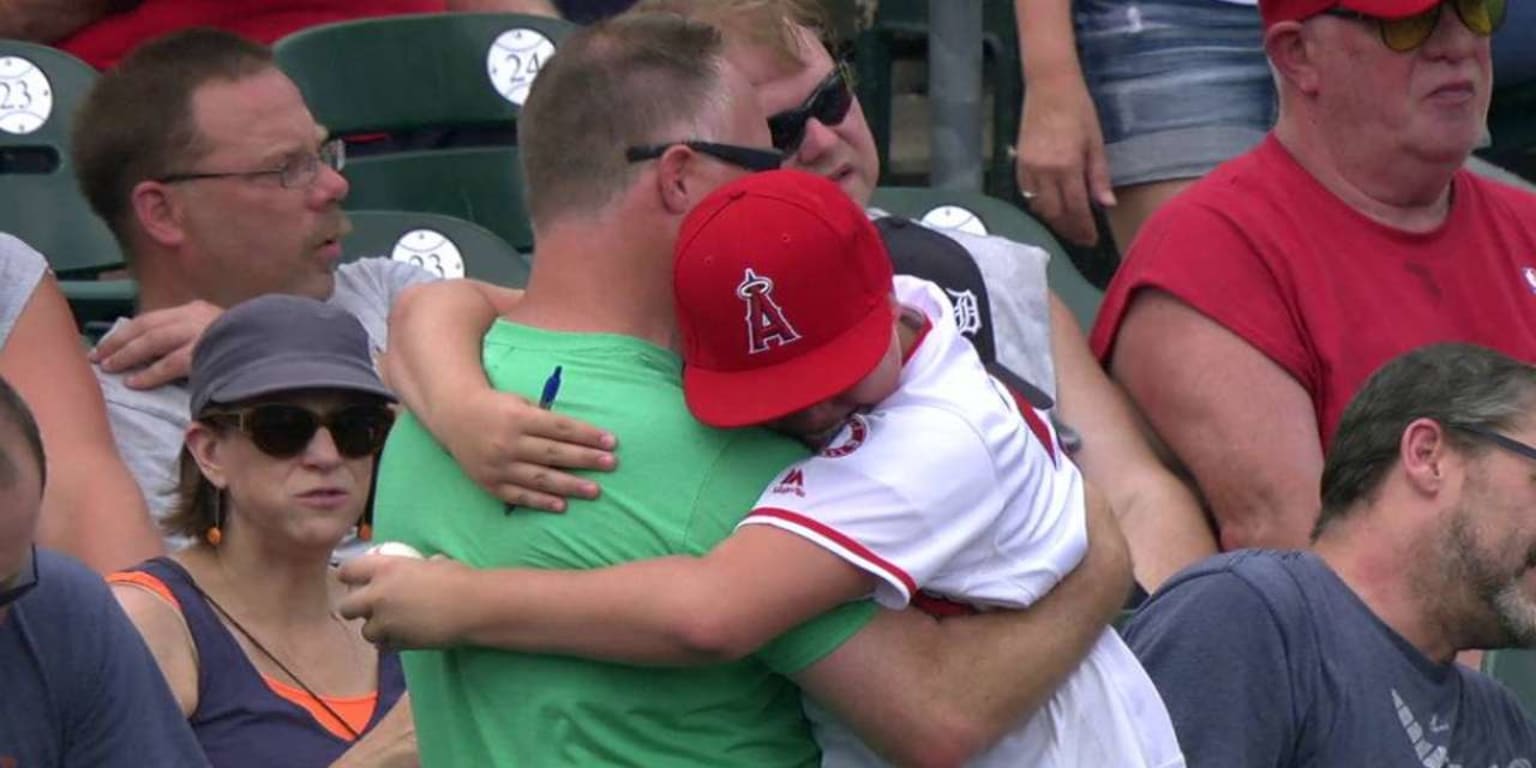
766,323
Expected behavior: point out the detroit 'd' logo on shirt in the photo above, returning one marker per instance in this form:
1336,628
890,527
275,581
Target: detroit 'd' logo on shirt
849,439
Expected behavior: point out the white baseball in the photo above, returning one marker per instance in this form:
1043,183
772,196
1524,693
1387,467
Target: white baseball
394,549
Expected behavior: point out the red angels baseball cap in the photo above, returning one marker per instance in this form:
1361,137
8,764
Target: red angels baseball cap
783,292
1274,11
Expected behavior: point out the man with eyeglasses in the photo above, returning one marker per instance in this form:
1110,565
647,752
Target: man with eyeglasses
204,160
77,685
1345,654
1252,307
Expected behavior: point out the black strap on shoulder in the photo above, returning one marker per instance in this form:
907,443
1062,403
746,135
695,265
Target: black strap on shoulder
923,253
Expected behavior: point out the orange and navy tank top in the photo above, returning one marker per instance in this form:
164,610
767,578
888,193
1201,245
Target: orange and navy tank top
247,719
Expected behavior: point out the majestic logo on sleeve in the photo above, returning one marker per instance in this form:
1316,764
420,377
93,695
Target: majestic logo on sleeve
793,482
967,311
766,324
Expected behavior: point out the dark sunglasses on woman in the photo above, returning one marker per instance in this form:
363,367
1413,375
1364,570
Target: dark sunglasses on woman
1483,17
829,104
282,431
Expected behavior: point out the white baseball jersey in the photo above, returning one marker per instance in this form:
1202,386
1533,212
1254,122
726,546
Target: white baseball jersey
949,491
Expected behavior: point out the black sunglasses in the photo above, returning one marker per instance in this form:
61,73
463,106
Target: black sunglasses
829,104
750,158
283,431
1483,17
23,582
1503,441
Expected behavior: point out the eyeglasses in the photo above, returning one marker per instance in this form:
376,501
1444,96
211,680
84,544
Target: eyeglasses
751,158
1483,17
1503,441
296,172
829,104
283,431
23,582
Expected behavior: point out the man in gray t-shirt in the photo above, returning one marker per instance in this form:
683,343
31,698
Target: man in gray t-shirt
203,158
1345,655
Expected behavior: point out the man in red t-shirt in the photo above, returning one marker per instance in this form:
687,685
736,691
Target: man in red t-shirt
1252,307
103,31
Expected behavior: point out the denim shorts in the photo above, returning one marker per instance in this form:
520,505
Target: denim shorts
1180,85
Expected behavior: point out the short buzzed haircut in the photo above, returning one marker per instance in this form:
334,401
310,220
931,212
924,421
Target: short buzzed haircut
1461,387
15,415
137,123
623,82
769,24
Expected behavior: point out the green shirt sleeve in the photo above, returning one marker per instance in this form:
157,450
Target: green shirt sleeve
748,463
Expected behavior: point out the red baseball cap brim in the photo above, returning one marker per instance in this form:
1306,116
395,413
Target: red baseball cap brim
1274,11
728,399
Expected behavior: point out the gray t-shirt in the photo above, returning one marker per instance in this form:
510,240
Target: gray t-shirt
21,269
1269,659
149,424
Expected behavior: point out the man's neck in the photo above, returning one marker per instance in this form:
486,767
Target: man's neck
1399,190
1373,559
599,278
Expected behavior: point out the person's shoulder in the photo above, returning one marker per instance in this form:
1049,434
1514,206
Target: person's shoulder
66,588
1261,577
1519,201
1500,707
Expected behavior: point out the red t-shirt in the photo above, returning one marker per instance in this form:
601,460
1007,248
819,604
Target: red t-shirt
105,41
1262,248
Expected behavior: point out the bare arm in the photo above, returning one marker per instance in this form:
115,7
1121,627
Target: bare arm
47,21
1242,425
92,508
757,584
533,7
169,640
434,366
1060,145
1161,517
928,692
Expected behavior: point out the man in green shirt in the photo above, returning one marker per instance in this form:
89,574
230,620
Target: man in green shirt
629,126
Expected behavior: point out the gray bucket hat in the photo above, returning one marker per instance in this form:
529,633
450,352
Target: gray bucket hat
277,343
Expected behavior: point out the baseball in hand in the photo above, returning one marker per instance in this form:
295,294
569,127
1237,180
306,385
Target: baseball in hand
394,549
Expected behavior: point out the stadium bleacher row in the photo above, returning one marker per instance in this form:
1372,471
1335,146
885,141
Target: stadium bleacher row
415,87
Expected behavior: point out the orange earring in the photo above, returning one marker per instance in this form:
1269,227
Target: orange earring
365,531
213,535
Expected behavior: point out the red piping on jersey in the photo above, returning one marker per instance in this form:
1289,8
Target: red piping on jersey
847,543
1032,418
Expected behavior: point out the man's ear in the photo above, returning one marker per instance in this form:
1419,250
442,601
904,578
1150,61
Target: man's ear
677,179
157,210
207,450
1291,48
1425,456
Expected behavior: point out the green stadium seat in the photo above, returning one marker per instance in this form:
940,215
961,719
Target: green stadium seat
1516,669
401,73
40,87
983,215
479,184
448,246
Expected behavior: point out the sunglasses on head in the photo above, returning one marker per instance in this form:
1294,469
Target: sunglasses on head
1483,17
750,158
283,431
829,104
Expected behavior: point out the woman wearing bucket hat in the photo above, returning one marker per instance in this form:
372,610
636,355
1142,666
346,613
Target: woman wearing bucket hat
288,416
